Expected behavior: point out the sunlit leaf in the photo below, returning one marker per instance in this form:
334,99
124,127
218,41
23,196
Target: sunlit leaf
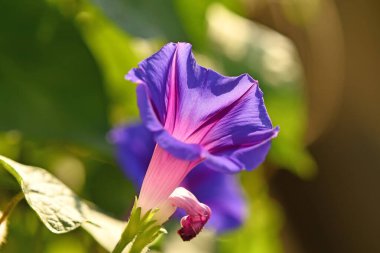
104,229
56,205
60,209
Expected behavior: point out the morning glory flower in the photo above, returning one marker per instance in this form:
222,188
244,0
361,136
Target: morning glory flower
196,116
134,147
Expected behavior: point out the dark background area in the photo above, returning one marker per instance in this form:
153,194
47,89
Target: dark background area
338,211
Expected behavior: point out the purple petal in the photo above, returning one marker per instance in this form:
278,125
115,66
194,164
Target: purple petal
208,99
222,194
177,148
231,158
196,113
153,72
134,147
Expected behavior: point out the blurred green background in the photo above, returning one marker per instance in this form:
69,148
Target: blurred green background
62,88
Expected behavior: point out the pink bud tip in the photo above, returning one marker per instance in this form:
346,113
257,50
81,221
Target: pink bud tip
192,225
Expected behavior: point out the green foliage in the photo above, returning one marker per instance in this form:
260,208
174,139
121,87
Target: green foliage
145,18
99,33
260,232
60,209
51,87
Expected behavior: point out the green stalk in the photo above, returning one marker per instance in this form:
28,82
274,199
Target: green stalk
11,205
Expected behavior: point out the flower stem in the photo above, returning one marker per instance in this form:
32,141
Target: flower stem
124,241
11,205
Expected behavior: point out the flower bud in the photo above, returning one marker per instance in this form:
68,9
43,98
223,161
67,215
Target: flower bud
198,213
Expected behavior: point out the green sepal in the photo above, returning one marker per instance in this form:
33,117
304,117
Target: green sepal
140,232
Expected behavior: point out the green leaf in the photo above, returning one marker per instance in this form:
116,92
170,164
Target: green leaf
58,207
104,229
